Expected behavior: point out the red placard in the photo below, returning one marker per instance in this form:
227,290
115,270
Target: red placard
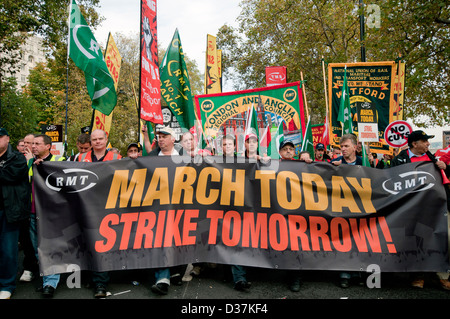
275,75
150,90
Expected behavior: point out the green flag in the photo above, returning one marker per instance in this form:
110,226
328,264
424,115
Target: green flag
87,55
365,158
345,111
308,144
175,84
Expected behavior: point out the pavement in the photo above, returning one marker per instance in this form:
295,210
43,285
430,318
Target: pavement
215,283
212,294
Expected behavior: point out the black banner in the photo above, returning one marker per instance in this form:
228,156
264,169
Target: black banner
160,211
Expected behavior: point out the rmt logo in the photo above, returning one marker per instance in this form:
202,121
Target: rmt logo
71,180
410,182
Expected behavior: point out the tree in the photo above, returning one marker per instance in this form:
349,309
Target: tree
419,31
297,33
48,19
19,111
16,20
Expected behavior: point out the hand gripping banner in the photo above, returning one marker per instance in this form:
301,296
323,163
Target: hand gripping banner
159,211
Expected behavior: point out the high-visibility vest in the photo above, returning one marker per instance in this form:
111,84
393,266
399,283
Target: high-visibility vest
31,161
87,157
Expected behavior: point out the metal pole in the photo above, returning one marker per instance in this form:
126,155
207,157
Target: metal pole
361,25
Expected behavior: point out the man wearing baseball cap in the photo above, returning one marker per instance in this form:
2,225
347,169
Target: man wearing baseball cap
251,145
133,150
418,151
320,154
166,143
15,206
287,150
166,147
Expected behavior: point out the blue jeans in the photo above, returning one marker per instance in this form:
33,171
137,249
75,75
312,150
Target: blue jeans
49,280
162,275
239,273
9,253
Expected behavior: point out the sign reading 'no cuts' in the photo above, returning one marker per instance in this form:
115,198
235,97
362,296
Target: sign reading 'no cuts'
396,133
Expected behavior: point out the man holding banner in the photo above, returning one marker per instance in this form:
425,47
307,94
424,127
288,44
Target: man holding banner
418,151
99,153
166,147
348,145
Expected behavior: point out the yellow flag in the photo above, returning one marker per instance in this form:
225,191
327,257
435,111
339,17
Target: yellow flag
212,75
113,62
399,91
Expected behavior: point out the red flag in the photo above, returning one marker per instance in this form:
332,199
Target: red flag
266,137
326,131
150,89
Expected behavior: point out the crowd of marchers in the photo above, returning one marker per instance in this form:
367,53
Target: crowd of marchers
18,213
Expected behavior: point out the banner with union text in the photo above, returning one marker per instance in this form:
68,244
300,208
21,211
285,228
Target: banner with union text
371,91
157,212
283,102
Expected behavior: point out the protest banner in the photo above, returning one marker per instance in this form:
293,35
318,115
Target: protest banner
369,83
150,89
213,69
134,214
283,101
318,133
55,133
276,75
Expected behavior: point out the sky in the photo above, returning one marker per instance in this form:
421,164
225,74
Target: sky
193,18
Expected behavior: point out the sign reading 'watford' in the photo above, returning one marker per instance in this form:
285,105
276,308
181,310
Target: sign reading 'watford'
158,212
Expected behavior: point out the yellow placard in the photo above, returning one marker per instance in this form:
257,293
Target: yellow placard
212,75
113,62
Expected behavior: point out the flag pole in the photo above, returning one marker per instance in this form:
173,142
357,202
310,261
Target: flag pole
325,82
327,111
399,91
304,94
67,78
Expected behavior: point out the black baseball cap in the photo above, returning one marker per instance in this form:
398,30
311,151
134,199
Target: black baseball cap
138,145
3,132
418,135
284,143
320,146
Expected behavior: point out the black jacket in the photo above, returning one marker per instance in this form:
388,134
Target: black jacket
16,189
156,151
403,158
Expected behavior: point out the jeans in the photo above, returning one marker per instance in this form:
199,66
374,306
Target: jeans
9,253
162,275
100,278
48,280
239,273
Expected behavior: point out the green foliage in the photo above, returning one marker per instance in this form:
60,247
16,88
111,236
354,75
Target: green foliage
19,112
16,19
299,33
